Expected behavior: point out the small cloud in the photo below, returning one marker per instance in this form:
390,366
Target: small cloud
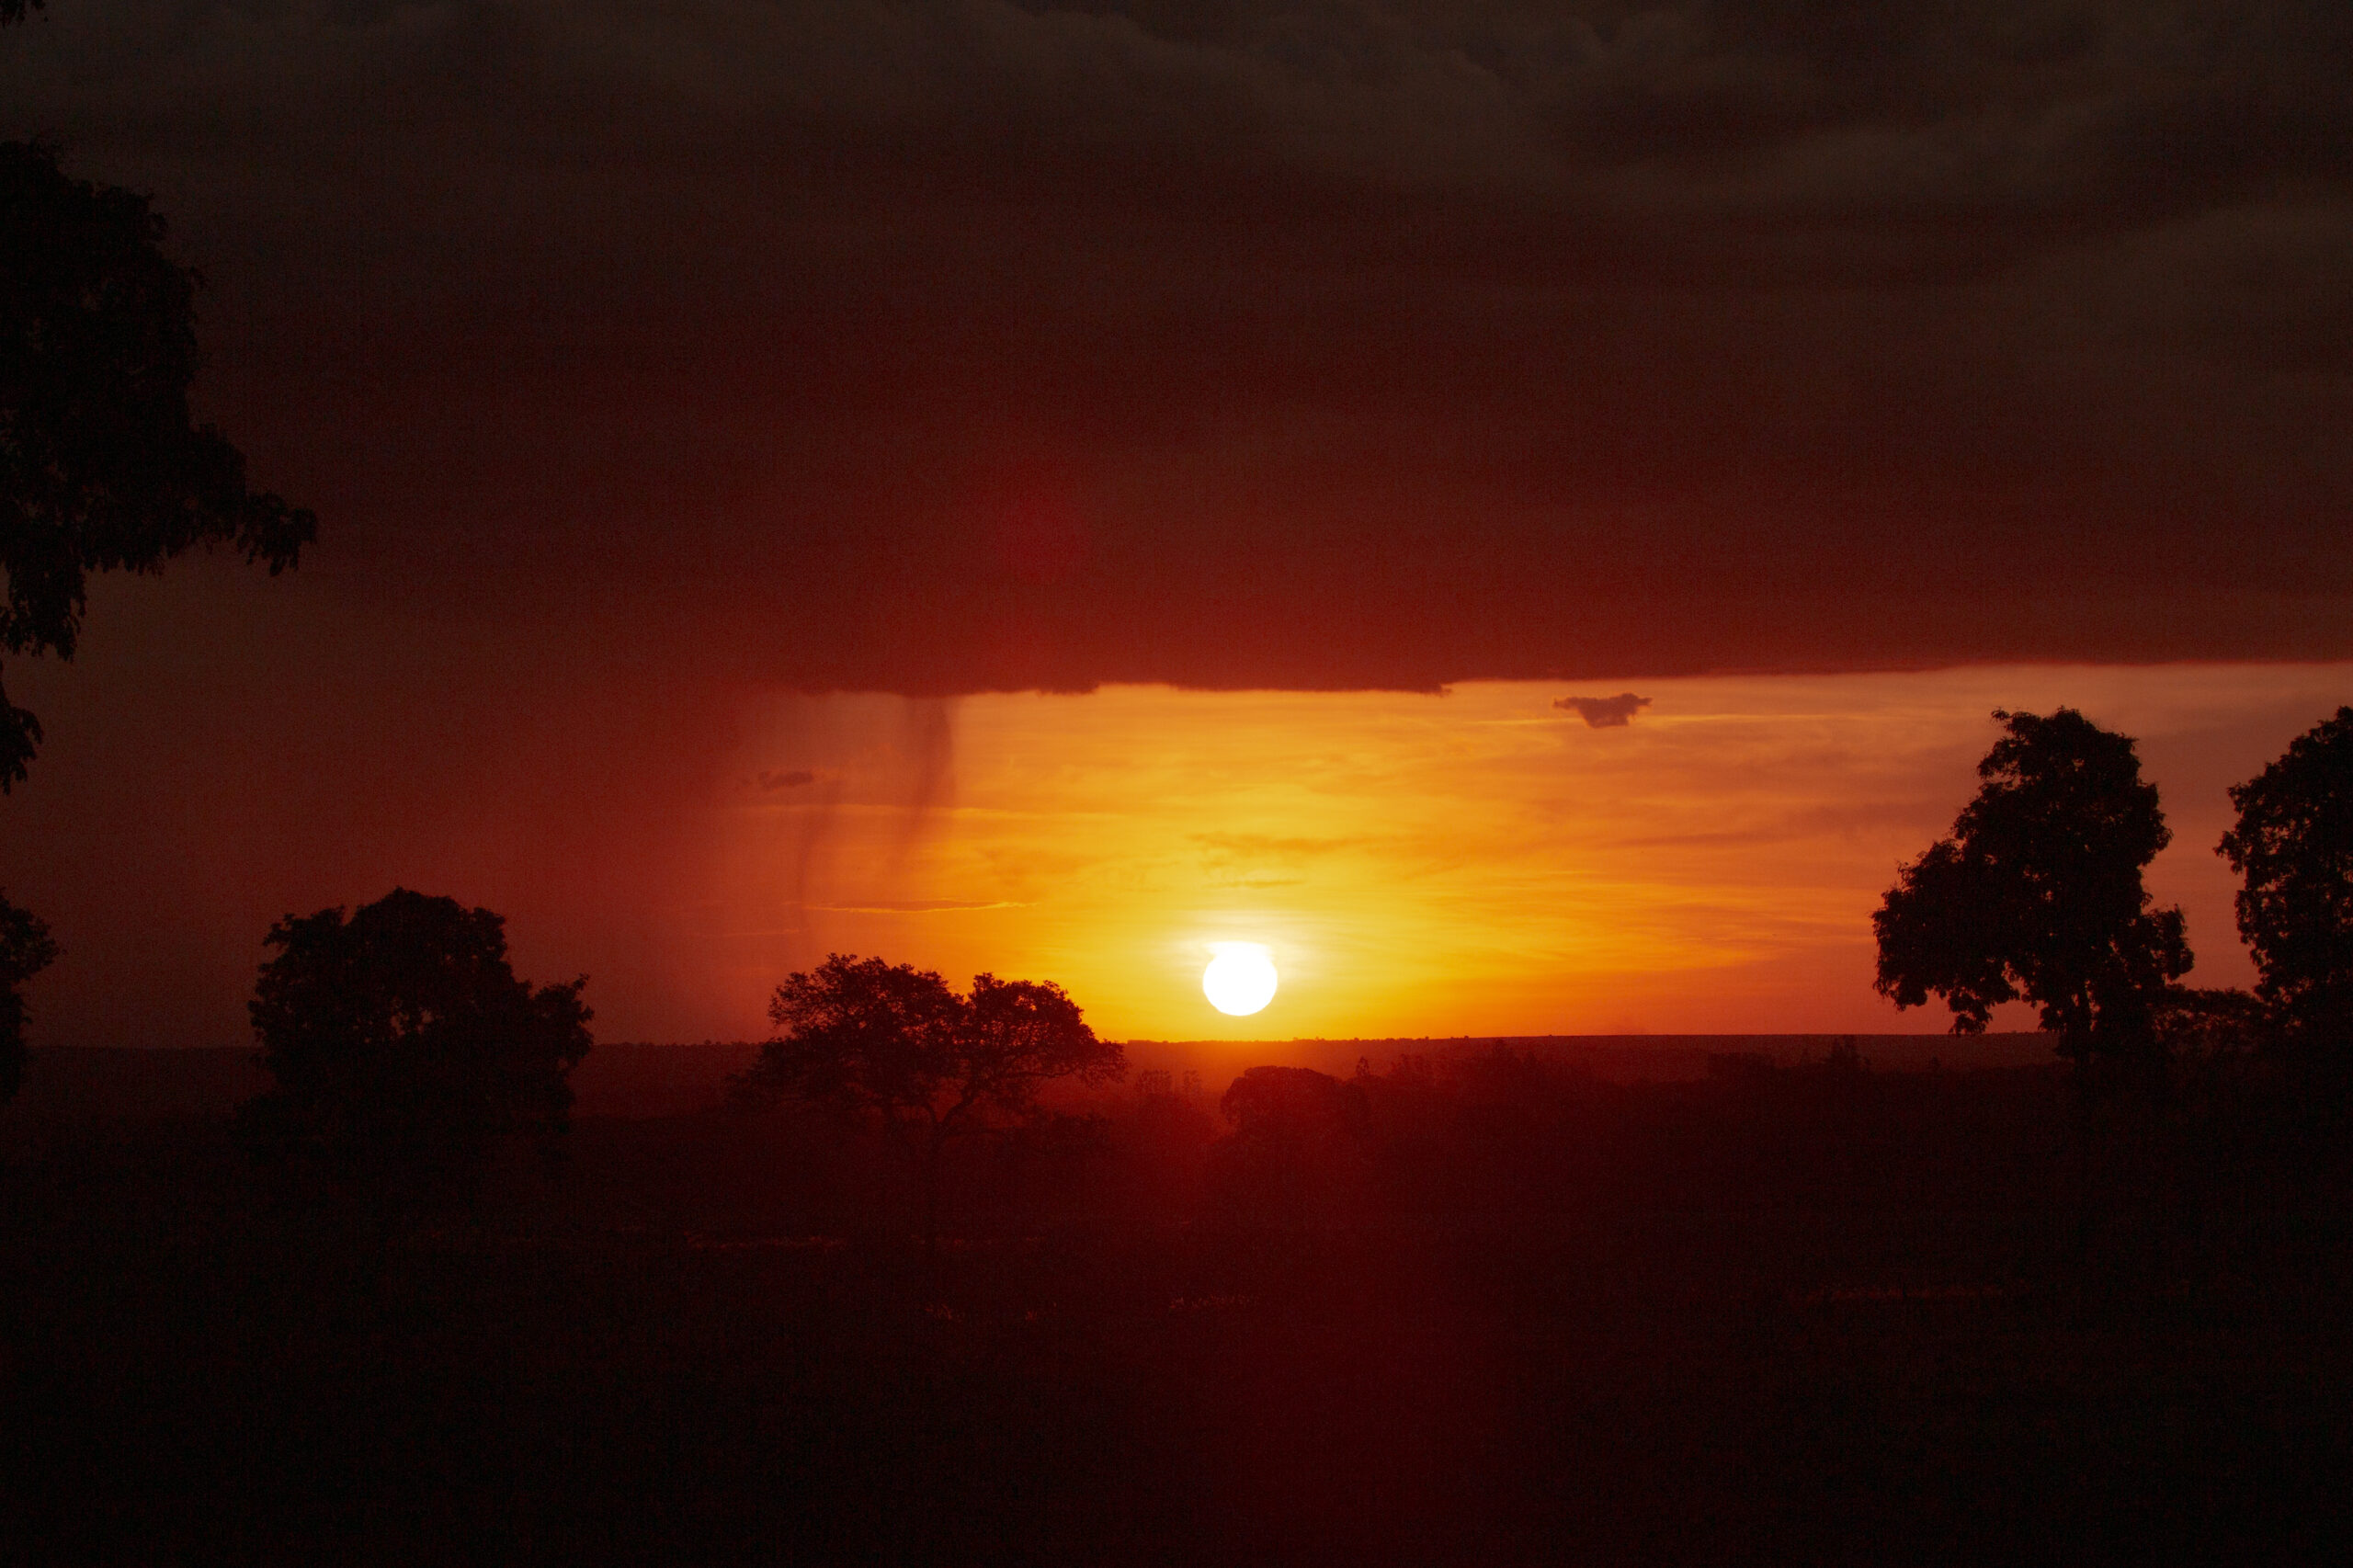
1604,713
789,779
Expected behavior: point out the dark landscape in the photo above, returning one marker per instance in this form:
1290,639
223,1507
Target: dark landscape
1489,1305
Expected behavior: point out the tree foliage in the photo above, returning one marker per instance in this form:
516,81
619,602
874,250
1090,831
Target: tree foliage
404,1046
1294,1108
24,950
101,465
897,1045
2293,850
2038,894
1298,1144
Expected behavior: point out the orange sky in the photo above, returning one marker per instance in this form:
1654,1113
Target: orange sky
1478,862
1475,863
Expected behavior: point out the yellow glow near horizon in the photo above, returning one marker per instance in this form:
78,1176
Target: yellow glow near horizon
1241,980
1480,862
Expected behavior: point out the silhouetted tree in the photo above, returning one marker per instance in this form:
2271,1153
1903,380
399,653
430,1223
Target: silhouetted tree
2293,848
403,1047
1298,1139
896,1045
24,950
101,468
2037,894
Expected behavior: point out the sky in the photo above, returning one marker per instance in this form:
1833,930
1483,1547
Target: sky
657,370
1489,860
1479,862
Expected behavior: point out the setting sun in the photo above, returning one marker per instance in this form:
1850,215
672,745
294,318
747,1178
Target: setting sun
1241,980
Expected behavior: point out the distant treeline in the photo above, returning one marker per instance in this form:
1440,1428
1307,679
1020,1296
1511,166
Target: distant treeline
638,1079
1503,1132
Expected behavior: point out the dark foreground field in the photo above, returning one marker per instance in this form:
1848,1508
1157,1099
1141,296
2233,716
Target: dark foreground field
1512,1313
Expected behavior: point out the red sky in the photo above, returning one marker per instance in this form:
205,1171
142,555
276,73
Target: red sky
649,364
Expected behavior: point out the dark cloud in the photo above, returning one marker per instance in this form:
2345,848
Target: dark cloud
962,346
786,778
1604,713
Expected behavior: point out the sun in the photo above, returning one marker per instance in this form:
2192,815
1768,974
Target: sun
1241,980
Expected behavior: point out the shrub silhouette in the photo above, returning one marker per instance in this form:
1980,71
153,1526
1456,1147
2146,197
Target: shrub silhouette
2213,1025
2293,850
24,950
2037,894
404,1047
895,1046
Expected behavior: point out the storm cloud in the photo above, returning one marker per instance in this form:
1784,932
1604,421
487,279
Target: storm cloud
1827,337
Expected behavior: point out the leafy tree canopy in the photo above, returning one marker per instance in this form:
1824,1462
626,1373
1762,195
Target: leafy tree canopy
2293,848
403,1045
101,468
896,1041
2038,894
897,1044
